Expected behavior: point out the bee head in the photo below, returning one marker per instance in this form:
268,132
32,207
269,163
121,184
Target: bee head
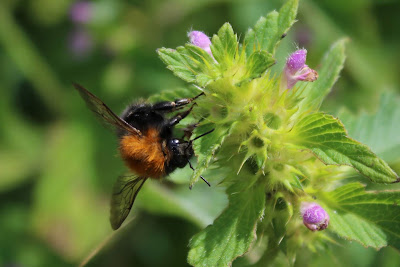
181,150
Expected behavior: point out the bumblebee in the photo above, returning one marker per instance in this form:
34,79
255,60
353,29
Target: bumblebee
146,145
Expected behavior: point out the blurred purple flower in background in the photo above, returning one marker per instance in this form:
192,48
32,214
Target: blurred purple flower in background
81,12
303,36
80,43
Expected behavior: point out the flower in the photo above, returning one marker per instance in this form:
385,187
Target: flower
201,40
314,216
81,12
296,70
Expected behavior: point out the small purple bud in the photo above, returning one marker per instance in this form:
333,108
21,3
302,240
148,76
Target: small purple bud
314,216
296,70
296,61
201,40
81,12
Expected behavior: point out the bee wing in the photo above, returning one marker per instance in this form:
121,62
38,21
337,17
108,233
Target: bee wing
125,191
103,112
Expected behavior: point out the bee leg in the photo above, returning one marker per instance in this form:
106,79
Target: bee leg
188,130
173,106
180,116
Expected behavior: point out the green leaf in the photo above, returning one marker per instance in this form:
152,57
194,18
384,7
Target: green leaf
225,46
380,131
326,137
269,30
190,63
257,64
368,217
200,63
332,64
232,233
177,64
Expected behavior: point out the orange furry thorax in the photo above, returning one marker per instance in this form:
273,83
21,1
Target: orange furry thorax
145,155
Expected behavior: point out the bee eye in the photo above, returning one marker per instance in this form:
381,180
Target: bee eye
173,144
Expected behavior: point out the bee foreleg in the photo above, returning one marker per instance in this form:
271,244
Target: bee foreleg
175,105
180,116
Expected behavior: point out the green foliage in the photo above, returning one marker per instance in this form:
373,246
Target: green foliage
225,47
326,137
233,231
274,128
269,30
260,126
379,130
190,63
57,166
257,64
332,64
368,217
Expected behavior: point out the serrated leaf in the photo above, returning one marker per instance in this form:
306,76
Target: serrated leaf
368,217
332,64
269,30
232,233
257,38
190,63
176,63
381,130
200,62
224,46
326,137
257,64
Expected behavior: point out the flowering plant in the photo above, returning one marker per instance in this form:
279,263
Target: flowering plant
278,155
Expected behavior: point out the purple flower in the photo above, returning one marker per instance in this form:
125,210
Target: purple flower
81,12
296,70
201,40
314,216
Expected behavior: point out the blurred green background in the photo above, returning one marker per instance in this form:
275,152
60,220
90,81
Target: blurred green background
58,165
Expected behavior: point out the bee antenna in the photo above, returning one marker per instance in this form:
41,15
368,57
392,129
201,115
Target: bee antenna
197,96
197,137
191,141
190,165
